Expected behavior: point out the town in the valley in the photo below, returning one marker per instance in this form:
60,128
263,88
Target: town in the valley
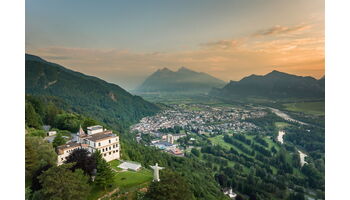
181,120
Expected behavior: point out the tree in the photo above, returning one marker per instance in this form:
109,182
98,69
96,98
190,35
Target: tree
38,154
60,182
32,118
83,160
170,187
58,141
104,175
51,112
195,152
35,179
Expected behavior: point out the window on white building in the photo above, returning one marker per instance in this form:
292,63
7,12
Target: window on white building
110,153
103,150
109,141
110,148
99,144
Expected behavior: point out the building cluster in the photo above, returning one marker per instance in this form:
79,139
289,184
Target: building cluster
167,144
202,119
96,139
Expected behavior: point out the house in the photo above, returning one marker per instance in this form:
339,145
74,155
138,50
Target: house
64,151
51,133
96,138
176,152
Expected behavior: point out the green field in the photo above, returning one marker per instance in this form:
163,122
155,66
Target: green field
123,180
114,164
312,108
218,140
281,125
130,179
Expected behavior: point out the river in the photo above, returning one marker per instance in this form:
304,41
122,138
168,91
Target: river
280,136
285,116
302,158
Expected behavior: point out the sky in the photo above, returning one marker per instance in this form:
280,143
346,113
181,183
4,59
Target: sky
124,41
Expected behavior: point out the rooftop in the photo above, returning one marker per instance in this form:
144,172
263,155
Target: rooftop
101,136
96,127
130,165
69,145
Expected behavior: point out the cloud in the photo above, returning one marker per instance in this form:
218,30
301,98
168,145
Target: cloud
222,44
228,59
283,30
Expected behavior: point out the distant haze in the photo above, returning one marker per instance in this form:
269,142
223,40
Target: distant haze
125,41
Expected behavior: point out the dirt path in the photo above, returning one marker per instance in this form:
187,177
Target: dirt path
109,194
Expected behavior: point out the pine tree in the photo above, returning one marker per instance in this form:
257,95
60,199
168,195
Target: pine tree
104,174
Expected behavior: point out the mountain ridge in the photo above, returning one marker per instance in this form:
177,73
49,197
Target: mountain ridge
181,80
275,84
88,95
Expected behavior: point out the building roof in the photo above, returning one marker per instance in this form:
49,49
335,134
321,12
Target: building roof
176,151
130,165
69,145
96,127
101,136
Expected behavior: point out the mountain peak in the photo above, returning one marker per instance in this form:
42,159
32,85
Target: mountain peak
165,69
275,72
184,69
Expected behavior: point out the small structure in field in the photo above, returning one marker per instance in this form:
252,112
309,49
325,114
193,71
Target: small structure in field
129,165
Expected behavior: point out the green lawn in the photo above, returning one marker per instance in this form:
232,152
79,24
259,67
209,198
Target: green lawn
114,164
312,108
129,178
123,180
281,125
219,140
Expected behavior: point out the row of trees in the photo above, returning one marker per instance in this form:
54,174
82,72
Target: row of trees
269,170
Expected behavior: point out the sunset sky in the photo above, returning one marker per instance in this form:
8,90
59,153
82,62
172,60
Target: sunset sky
125,41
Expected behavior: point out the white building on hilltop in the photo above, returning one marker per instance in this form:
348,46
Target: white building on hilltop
96,138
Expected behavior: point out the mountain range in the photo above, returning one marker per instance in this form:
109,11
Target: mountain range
183,80
273,85
88,95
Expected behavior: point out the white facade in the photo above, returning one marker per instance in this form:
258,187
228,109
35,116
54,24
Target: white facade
51,133
98,139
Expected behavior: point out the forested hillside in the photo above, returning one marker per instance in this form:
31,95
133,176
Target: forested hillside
194,179
89,95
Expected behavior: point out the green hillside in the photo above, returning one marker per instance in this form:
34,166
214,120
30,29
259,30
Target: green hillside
89,95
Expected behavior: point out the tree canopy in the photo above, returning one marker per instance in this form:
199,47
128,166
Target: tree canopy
61,183
38,154
170,187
